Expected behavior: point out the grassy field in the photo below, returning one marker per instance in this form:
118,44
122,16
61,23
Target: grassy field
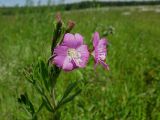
129,91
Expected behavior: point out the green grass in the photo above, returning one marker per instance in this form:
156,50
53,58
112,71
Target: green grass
129,91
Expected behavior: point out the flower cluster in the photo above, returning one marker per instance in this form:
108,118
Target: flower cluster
72,53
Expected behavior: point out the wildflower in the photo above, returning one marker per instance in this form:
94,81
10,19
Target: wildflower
99,50
72,53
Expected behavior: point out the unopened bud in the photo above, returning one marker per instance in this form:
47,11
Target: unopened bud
70,26
58,17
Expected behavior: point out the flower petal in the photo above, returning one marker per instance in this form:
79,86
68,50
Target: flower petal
102,45
95,55
84,53
95,39
79,39
59,60
60,50
67,64
101,49
72,41
104,65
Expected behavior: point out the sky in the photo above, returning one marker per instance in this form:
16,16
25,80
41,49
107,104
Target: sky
23,2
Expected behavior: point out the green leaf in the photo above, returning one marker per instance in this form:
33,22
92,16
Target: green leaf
29,75
44,74
47,104
70,98
79,74
22,99
28,104
65,99
39,109
54,73
69,88
44,71
39,89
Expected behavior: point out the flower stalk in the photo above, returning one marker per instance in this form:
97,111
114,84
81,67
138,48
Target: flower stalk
57,32
56,36
68,52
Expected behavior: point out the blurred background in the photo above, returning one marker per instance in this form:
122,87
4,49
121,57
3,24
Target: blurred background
55,2
130,90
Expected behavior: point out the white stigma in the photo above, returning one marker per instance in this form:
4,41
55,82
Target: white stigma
74,55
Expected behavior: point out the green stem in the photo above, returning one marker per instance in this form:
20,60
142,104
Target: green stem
53,97
55,72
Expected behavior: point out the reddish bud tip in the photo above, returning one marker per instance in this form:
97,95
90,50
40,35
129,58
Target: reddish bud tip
70,26
58,17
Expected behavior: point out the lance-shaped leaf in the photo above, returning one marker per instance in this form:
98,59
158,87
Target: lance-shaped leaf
39,109
54,73
70,98
24,99
66,96
47,104
69,89
44,74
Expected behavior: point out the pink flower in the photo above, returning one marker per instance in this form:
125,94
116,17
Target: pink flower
72,53
99,50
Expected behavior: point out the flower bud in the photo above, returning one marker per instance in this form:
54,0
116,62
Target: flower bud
58,19
70,26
